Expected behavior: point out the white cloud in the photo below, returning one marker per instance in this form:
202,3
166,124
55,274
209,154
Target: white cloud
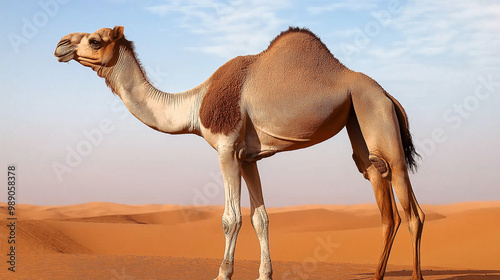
470,29
435,40
387,53
344,4
227,28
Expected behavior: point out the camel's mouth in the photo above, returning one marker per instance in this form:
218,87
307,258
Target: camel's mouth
65,51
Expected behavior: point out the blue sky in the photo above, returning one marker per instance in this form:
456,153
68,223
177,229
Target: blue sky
440,59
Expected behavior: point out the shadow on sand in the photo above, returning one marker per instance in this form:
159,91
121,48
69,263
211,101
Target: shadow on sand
449,274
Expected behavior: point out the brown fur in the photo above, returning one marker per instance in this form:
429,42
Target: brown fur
220,108
309,34
297,30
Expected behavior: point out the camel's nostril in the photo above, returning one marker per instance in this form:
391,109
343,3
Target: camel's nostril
64,42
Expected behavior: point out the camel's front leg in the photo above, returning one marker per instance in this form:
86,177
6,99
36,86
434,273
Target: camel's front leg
231,219
260,220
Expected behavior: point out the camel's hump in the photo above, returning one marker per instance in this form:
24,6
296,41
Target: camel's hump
295,33
297,41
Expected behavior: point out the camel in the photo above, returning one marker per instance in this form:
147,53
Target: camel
292,95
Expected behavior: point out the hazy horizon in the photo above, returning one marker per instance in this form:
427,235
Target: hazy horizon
440,60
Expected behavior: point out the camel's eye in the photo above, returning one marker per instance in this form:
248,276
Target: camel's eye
94,43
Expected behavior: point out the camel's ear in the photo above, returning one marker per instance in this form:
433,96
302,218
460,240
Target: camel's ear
117,32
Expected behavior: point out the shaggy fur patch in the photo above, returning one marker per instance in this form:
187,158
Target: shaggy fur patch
220,108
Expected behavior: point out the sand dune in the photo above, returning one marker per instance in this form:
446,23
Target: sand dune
459,237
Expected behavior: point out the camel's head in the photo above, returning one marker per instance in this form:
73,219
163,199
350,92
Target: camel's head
92,50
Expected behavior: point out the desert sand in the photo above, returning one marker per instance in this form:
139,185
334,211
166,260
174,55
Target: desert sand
114,241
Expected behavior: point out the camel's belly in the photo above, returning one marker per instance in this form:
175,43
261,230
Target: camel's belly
296,122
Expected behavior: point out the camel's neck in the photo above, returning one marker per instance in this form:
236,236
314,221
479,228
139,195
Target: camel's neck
170,113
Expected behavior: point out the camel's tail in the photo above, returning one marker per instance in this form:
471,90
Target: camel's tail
404,128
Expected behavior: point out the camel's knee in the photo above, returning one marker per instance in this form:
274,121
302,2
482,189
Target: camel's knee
381,165
260,220
416,224
231,223
391,219
421,220
391,225
415,217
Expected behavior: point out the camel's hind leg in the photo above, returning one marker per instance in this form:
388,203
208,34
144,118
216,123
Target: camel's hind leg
383,194
380,128
414,215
